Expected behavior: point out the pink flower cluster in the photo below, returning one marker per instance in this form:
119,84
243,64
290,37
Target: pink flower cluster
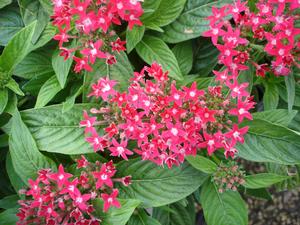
93,21
271,28
164,122
61,198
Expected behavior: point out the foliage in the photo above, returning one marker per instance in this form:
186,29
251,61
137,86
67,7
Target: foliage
66,80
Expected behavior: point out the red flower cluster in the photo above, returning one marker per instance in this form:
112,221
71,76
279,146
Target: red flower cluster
271,28
93,19
166,123
60,198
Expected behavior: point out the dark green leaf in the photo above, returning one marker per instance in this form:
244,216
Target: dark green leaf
202,163
69,103
263,180
184,55
149,8
134,36
49,89
10,23
8,217
261,193
61,67
176,214
3,99
191,23
25,155
284,94
167,12
14,178
156,186
17,48
278,116
226,208
140,217
290,87
271,96
14,86
152,49
59,132
35,64
42,21
206,57
116,216
4,3
8,202
269,142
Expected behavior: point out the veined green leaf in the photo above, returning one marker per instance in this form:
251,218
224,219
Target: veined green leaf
191,23
26,158
226,208
202,163
156,186
152,49
263,180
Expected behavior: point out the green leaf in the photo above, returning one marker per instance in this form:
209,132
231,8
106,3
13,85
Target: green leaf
227,208
45,37
192,22
8,202
49,89
47,5
246,76
167,12
14,178
8,217
283,92
278,116
184,55
4,3
17,48
140,217
35,64
29,10
156,186
269,142
152,49
10,23
58,132
11,106
134,36
176,214
290,87
149,7
70,101
3,99
116,216
42,21
61,67
202,163
14,86
263,180
25,155
121,72
271,96
206,57
261,193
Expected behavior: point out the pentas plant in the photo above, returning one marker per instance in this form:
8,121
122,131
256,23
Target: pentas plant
271,28
164,122
64,198
91,22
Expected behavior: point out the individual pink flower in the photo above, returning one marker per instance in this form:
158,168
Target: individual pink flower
61,177
119,149
110,200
